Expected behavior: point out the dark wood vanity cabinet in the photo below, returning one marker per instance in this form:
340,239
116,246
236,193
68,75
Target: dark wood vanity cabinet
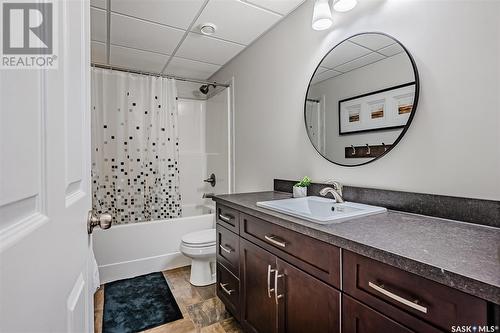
307,304
407,296
275,280
258,306
358,318
275,296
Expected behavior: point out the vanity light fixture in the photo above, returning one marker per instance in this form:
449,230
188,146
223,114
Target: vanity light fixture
208,29
344,5
322,15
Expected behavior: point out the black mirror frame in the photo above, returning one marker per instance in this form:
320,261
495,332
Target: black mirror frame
412,114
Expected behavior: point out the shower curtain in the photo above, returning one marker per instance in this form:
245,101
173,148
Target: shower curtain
135,146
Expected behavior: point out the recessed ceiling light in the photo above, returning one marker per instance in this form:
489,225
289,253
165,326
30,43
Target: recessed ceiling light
322,15
344,5
208,29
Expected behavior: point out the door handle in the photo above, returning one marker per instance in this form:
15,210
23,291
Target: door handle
103,220
273,239
227,291
225,218
277,296
269,289
225,249
397,298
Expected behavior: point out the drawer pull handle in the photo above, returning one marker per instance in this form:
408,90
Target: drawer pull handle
397,298
269,289
226,249
227,291
225,218
272,239
276,295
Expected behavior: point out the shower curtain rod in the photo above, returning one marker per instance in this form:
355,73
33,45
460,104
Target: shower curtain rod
179,78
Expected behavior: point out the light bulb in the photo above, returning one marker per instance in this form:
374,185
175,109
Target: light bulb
344,5
322,15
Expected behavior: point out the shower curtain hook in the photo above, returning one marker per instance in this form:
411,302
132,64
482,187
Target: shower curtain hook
368,150
353,150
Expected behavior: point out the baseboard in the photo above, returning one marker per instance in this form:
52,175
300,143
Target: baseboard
128,269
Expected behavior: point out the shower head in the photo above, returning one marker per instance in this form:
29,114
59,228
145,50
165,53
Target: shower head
204,88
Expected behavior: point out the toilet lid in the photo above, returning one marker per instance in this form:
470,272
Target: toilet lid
207,236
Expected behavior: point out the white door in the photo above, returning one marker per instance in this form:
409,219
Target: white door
45,186
315,123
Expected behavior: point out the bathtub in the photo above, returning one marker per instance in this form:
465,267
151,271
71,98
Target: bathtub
128,250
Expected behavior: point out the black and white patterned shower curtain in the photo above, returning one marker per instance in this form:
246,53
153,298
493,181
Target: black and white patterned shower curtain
135,146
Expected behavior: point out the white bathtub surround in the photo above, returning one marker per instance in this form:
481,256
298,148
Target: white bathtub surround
129,250
204,147
135,146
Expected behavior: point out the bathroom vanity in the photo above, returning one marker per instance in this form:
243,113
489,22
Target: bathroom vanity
390,272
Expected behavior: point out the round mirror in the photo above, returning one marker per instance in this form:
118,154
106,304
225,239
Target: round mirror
361,99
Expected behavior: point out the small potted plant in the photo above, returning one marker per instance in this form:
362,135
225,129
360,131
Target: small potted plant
300,189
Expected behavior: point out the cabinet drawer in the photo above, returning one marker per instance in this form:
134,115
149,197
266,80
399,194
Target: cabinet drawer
320,259
228,290
358,318
228,249
394,291
229,218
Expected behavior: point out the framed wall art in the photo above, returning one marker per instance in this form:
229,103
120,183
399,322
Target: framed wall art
384,109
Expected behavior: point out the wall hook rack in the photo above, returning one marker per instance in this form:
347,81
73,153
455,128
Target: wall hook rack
366,151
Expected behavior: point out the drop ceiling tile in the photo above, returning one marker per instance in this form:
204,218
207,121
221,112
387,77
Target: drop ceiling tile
372,41
360,62
236,21
343,53
324,76
98,52
282,7
137,59
207,49
391,50
190,68
176,13
140,34
98,25
99,3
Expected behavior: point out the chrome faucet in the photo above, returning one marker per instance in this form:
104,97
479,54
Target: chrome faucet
335,190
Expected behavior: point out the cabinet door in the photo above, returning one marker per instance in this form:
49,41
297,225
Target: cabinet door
305,304
259,312
358,318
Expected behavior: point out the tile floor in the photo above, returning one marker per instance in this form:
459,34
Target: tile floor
202,310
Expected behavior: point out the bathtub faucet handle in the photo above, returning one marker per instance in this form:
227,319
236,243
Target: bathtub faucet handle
211,180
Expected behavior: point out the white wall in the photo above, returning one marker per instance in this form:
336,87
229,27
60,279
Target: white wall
453,145
386,73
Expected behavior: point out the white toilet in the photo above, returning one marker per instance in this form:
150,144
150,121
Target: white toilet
200,247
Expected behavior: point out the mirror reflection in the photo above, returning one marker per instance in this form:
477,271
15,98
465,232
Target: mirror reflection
361,99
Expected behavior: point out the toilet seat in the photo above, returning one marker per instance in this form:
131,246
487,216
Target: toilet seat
203,238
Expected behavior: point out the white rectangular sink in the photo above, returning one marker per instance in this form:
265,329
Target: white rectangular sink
321,210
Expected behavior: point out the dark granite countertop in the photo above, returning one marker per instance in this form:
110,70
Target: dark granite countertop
460,255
